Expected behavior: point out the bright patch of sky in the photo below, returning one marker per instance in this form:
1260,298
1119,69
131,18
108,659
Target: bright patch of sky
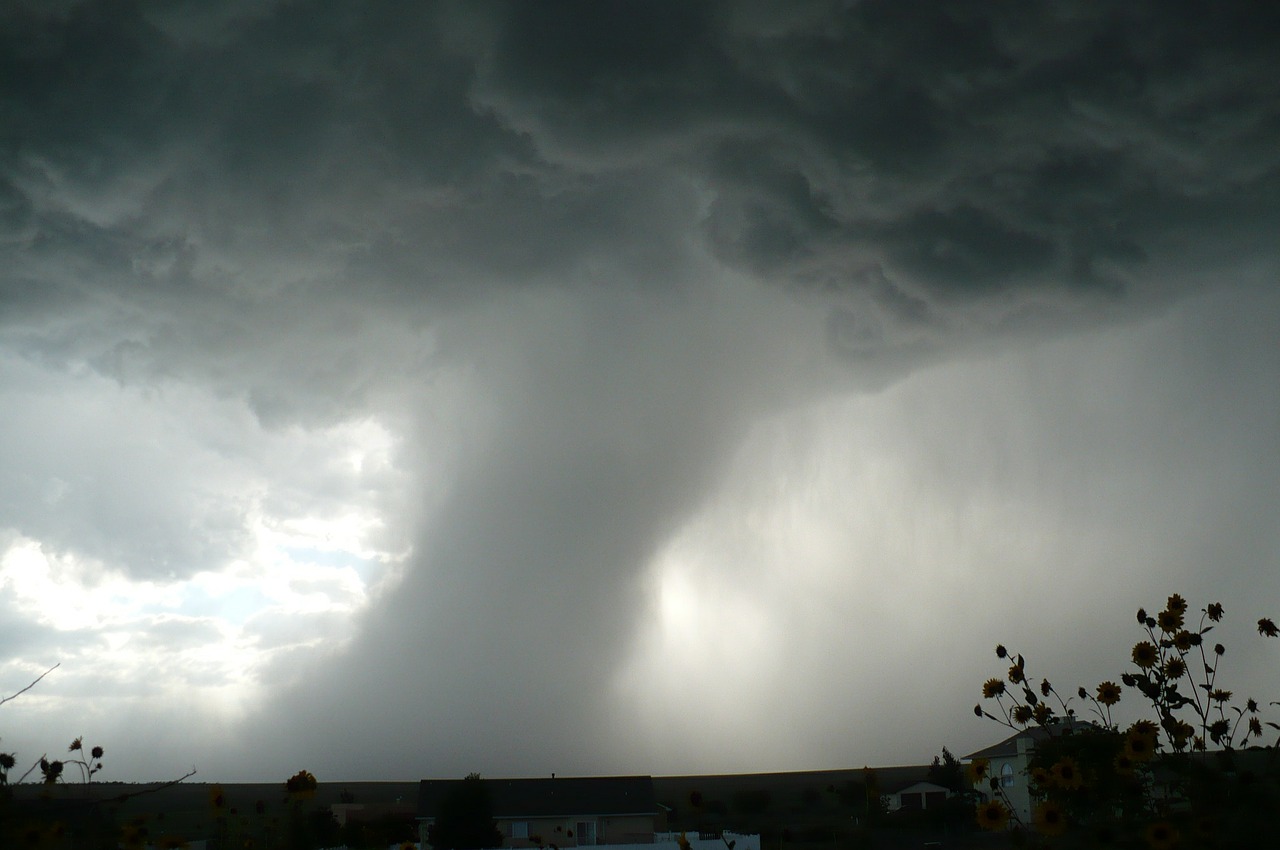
303,528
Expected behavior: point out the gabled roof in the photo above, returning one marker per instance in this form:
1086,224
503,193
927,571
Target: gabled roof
555,797
1034,735
1009,746
923,785
891,780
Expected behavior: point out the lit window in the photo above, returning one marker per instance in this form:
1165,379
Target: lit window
1006,775
519,829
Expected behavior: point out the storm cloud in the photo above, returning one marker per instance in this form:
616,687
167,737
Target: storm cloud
409,389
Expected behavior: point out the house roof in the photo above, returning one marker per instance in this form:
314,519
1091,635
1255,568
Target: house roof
554,797
1009,746
1034,734
891,780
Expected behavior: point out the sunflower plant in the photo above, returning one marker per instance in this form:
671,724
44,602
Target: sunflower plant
1198,769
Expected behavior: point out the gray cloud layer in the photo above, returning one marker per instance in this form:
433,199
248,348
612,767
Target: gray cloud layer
573,253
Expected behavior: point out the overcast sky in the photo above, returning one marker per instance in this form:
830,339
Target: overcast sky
401,389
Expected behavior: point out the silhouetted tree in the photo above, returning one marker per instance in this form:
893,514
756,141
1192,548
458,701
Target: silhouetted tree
464,819
947,771
957,811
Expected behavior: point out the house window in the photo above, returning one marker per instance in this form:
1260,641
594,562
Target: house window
1006,776
519,829
586,832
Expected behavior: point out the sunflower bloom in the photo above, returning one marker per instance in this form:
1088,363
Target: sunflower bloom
1255,727
1041,777
1049,818
1183,640
1021,714
1016,675
1162,836
977,771
1145,654
993,815
1176,604
1124,763
1219,695
1108,693
992,688
1139,747
1066,774
1267,628
1175,668
216,798
1169,621
1214,611
1145,727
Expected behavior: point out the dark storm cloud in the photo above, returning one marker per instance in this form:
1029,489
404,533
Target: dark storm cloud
964,149
517,233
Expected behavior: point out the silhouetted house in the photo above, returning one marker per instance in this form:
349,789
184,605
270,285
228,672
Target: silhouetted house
568,812
908,788
1008,763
